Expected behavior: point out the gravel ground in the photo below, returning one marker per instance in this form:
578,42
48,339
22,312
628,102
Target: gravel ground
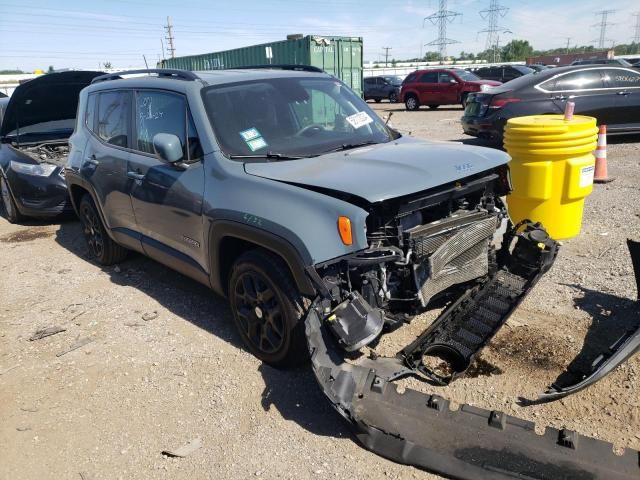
164,365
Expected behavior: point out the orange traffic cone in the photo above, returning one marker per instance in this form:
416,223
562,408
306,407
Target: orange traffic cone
601,175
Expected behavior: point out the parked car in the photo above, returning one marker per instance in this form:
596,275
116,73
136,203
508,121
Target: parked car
610,94
38,119
538,67
437,87
603,61
503,73
381,88
3,106
254,183
3,95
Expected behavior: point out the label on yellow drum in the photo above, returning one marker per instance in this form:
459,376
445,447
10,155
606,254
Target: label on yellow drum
586,176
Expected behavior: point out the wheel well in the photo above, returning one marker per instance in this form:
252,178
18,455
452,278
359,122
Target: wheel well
230,250
410,94
76,192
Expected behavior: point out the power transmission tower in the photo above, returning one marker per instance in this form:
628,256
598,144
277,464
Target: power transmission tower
386,55
441,18
603,27
636,35
170,48
492,15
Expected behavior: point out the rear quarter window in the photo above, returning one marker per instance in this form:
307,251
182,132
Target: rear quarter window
90,113
410,78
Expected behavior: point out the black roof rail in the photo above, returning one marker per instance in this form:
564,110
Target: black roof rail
161,72
297,68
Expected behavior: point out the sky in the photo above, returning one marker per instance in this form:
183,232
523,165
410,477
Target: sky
86,33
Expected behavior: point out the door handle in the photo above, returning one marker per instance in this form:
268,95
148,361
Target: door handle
623,93
136,176
559,97
92,160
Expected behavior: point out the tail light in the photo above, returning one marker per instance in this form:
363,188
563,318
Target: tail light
499,102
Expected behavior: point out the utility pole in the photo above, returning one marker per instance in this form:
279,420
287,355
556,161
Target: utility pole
568,41
169,38
386,55
162,46
603,26
441,18
492,15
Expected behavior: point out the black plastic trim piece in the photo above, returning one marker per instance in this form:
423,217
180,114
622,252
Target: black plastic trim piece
297,68
160,72
469,444
278,245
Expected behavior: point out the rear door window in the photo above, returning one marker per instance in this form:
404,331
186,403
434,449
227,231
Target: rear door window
583,80
429,77
113,117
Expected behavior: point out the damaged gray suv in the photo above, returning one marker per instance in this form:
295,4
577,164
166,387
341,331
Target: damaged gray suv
280,189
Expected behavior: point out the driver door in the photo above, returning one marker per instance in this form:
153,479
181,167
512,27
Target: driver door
167,198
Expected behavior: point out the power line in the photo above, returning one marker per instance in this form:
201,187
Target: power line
386,55
441,18
603,26
169,38
492,15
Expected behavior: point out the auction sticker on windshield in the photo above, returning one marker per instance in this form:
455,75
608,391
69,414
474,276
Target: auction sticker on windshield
250,134
256,144
359,119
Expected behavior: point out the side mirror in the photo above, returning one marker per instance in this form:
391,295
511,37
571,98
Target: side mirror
453,80
168,147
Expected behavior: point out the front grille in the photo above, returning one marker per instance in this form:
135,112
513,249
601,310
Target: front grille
453,251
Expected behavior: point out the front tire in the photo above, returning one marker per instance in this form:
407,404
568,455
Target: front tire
393,97
377,100
268,310
411,103
101,246
9,207
464,100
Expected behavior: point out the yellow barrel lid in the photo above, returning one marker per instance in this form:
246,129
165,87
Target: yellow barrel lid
550,124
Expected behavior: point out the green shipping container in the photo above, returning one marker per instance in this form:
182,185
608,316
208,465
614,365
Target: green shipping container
338,56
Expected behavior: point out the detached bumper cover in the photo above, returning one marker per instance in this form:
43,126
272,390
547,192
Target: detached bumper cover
471,443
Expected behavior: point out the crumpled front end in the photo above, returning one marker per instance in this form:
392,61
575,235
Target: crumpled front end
457,246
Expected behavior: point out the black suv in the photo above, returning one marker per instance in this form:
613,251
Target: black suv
381,88
503,73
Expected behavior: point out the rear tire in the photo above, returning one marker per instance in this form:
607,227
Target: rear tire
411,103
101,246
268,310
9,207
378,100
393,97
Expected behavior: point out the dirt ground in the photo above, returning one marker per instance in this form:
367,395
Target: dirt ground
163,364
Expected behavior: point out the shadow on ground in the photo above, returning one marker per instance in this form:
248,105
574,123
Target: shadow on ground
294,393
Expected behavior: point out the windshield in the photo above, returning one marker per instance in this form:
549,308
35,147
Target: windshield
467,75
624,62
290,117
394,80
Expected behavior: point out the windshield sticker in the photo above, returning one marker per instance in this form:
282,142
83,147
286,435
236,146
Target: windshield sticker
250,134
359,119
256,144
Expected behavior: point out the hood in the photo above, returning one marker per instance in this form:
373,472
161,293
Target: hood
492,83
380,172
48,98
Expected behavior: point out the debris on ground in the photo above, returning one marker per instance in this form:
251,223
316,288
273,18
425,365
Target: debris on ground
184,450
79,343
46,332
150,315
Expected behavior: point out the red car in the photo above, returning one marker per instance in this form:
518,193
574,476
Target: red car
442,86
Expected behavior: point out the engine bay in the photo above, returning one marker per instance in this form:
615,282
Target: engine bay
55,153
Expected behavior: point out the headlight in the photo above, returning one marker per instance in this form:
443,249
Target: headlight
38,169
485,88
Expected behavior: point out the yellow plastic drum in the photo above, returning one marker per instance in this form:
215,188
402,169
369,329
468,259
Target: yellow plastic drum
552,170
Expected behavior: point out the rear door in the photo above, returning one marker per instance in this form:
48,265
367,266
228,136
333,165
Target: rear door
106,156
626,84
586,88
167,199
426,87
